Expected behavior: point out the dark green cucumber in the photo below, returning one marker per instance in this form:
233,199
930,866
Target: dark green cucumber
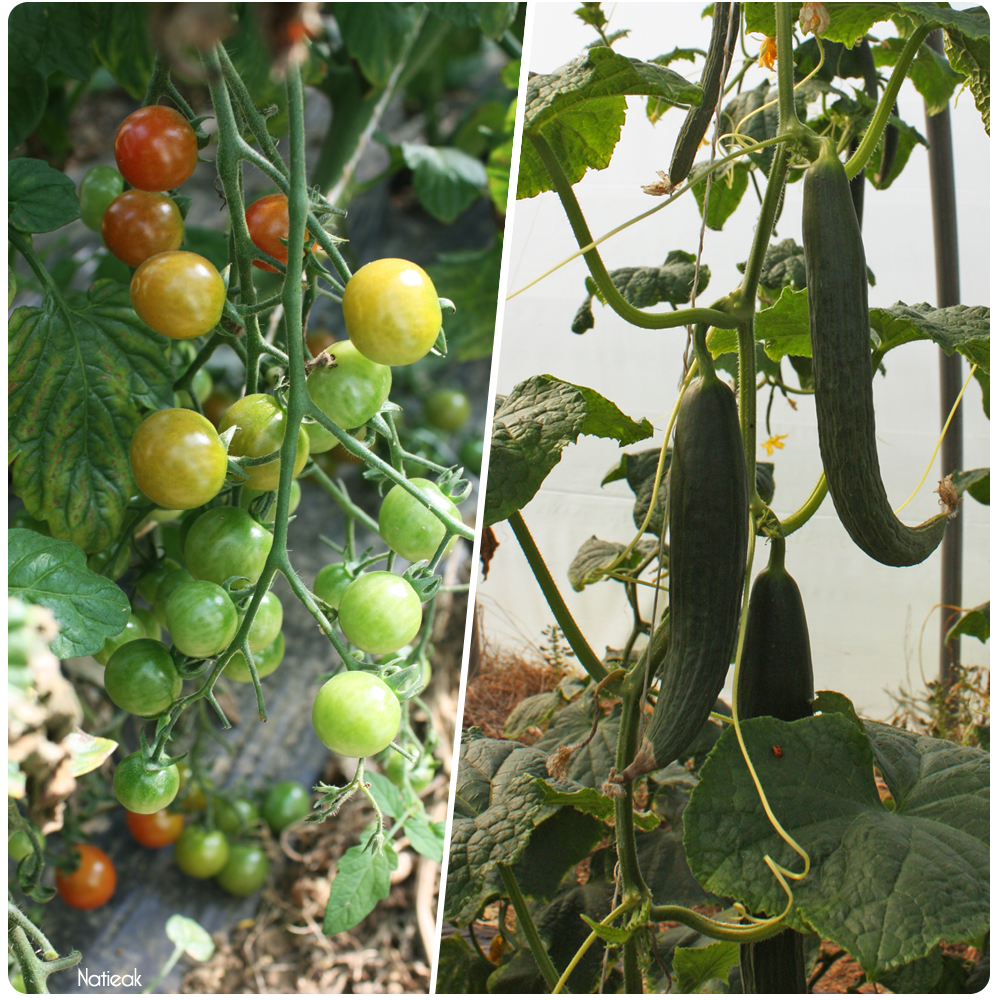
776,678
708,516
837,279
720,51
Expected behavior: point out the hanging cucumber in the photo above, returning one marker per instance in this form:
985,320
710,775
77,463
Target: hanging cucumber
708,516
776,678
720,53
837,279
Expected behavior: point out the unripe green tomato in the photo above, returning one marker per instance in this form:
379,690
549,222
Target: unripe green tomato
447,409
233,815
141,678
133,630
471,455
247,496
227,542
201,618
19,845
420,774
266,661
99,187
148,583
331,582
201,853
101,562
168,585
201,383
149,623
286,803
380,612
246,870
266,623
144,788
408,527
356,714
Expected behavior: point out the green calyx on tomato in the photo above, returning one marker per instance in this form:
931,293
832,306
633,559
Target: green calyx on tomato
201,618
227,542
141,678
356,714
140,224
266,661
99,187
177,459
286,803
91,883
260,424
245,871
201,853
156,148
408,527
178,294
247,497
350,390
391,311
143,787
380,612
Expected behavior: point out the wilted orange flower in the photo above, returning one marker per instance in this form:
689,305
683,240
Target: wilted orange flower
768,52
814,18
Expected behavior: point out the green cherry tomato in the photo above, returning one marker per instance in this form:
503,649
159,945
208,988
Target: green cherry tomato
201,618
156,148
99,187
224,542
201,384
141,678
261,426
169,584
350,391
380,612
191,797
266,623
294,498
139,224
145,788
408,527
148,583
398,768
246,870
391,311
19,844
233,815
201,853
156,829
177,459
266,661
91,884
331,582
149,623
471,455
356,714
447,409
178,294
286,803
134,629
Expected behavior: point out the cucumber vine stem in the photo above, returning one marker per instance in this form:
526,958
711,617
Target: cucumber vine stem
528,927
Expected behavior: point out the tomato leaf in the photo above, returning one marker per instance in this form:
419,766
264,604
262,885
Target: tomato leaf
123,45
492,19
87,753
580,110
386,794
54,574
375,35
59,36
470,278
39,198
868,862
425,837
530,429
362,881
80,369
27,96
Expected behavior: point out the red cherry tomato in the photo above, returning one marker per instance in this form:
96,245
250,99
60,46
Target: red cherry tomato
138,225
156,149
155,829
267,220
92,884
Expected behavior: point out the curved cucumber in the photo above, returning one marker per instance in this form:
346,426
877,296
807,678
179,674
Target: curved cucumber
837,279
709,512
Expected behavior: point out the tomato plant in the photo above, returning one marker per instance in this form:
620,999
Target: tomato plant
267,221
331,582
356,714
179,294
234,815
169,583
408,527
266,661
144,787
392,312
138,225
156,829
177,459
201,618
380,612
266,623
245,871
156,148
227,542
140,677
98,189
89,885
201,853
399,770
247,496
260,426
134,629
286,803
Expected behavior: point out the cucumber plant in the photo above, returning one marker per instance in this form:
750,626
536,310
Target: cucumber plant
645,794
